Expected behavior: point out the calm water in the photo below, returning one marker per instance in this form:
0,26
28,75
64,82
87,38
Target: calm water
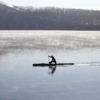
19,80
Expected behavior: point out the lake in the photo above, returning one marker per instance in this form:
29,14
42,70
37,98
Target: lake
19,80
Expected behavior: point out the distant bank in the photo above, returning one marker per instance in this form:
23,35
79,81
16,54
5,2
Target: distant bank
48,18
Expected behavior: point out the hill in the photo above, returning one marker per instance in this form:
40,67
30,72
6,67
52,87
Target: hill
47,18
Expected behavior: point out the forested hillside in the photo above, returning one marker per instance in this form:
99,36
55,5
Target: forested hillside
48,18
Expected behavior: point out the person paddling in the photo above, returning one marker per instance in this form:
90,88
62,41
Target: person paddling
53,59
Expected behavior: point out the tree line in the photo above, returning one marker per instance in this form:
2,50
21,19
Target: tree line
47,18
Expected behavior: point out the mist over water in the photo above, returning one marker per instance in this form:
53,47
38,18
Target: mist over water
48,40
20,80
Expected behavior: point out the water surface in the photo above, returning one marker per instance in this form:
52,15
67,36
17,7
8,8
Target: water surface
19,80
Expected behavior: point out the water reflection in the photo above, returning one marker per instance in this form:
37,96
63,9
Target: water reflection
52,70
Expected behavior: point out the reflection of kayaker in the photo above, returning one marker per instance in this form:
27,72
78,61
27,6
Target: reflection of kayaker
52,69
53,59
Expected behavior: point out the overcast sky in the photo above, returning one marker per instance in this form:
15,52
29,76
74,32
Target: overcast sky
77,4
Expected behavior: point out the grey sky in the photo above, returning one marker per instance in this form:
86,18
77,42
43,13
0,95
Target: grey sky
78,4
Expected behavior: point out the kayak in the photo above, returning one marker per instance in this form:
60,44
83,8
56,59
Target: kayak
47,64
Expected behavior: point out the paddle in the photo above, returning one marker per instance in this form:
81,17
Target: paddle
48,59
